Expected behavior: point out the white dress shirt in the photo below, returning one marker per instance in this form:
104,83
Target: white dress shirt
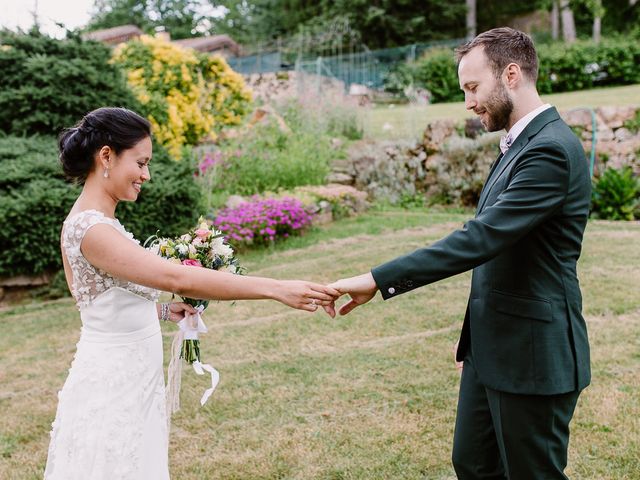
519,126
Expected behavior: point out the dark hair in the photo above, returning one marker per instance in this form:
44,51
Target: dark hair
117,128
503,46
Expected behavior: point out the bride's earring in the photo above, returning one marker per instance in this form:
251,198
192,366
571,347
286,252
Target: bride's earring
106,173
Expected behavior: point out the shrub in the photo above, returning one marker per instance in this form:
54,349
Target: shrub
187,96
436,71
35,198
578,66
48,84
276,153
342,200
616,195
263,221
633,124
584,65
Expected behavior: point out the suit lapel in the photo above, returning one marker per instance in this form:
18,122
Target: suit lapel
484,190
523,139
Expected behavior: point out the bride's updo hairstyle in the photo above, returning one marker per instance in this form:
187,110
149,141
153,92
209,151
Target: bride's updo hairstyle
117,128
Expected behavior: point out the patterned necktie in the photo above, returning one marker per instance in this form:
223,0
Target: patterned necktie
505,143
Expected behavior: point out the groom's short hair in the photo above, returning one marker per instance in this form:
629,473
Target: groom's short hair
503,46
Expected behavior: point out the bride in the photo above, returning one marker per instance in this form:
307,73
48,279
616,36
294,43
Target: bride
111,420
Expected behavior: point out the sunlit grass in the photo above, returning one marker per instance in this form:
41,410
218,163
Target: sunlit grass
367,396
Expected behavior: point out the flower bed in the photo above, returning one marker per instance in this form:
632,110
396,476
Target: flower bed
263,221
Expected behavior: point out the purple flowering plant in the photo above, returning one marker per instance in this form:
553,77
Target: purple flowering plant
263,221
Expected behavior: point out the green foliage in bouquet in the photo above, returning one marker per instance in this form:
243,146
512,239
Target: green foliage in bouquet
616,195
201,247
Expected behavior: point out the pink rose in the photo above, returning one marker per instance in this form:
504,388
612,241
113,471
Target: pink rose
191,263
203,232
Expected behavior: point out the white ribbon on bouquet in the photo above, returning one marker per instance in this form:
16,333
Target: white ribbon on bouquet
189,329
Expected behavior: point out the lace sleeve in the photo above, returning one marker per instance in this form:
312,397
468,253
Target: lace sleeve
88,281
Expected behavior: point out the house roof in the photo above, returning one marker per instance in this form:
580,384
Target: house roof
210,43
110,34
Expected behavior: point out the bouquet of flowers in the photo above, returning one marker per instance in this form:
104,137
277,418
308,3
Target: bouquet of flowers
201,247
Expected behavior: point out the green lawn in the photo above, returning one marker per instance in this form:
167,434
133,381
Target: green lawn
407,121
367,396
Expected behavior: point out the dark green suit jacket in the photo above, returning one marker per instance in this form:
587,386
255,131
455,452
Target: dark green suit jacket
523,323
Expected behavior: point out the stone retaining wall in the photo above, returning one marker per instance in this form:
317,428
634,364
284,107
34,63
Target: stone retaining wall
451,162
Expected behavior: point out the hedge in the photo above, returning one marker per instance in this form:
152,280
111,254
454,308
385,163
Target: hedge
49,83
35,199
563,68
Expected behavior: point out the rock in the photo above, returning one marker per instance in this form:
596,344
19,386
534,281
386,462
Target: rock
25,280
436,133
234,201
615,117
340,178
604,135
622,134
577,118
473,127
343,166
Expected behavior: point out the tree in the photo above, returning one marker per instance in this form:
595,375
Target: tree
114,13
181,18
472,22
380,23
568,23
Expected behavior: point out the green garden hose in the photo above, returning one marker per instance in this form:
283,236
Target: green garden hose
594,137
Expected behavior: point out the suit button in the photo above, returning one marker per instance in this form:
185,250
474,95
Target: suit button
391,290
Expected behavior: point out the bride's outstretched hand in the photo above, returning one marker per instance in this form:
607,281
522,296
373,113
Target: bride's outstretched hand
307,295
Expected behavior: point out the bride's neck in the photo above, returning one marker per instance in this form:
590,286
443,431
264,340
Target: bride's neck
94,197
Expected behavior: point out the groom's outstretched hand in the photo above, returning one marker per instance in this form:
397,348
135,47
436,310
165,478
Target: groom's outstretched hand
361,289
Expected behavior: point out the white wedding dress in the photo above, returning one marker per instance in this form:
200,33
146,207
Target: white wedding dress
111,420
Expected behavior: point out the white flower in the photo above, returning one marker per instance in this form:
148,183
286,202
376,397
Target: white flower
186,238
229,269
192,250
155,249
182,249
225,251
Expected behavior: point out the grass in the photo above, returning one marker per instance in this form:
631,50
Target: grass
409,121
367,396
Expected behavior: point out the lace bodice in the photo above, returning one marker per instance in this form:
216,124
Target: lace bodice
88,281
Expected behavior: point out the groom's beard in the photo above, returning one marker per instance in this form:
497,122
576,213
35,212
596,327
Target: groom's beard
499,107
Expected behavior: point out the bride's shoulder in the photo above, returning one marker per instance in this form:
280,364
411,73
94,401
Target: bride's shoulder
77,215
78,222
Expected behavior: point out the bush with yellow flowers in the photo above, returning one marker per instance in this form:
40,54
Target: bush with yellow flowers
186,95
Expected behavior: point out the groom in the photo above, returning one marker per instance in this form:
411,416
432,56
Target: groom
523,342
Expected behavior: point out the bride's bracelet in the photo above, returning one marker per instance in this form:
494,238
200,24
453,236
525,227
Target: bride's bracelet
164,312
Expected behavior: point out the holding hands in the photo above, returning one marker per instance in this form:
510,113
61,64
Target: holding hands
361,289
306,295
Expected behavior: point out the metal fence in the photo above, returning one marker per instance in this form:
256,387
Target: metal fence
366,67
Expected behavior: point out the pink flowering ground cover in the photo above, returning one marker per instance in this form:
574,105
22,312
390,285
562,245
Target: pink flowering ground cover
263,221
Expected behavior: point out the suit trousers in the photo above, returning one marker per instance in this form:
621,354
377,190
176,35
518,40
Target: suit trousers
510,436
